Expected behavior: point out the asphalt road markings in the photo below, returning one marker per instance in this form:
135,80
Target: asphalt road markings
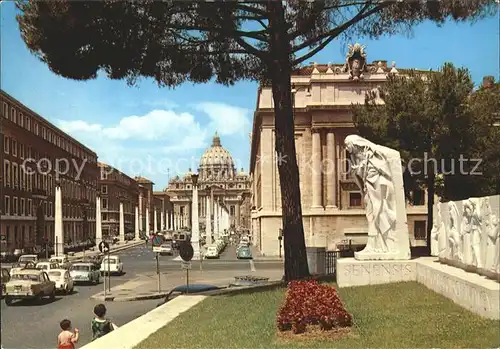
252,265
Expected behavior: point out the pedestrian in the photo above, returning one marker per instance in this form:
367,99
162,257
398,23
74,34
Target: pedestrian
67,339
101,325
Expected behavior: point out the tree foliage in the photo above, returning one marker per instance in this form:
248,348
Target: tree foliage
177,41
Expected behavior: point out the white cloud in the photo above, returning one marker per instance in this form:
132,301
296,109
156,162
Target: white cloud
225,118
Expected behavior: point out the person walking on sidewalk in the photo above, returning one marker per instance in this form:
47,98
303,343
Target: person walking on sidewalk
101,325
67,339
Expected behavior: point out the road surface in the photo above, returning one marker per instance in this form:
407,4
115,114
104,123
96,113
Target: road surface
27,325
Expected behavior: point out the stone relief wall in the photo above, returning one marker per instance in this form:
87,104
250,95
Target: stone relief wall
465,234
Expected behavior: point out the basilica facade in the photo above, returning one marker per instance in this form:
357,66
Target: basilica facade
220,188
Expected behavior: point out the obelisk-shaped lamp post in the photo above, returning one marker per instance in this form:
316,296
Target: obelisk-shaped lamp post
195,224
58,221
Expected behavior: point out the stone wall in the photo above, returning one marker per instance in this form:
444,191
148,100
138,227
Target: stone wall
466,234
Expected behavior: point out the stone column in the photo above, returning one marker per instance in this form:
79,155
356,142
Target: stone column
216,220
136,231
208,222
98,221
155,217
237,221
174,217
148,229
58,223
162,220
331,170
195,224
122,224
140,213
316,169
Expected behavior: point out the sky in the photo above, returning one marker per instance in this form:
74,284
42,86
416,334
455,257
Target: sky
159,132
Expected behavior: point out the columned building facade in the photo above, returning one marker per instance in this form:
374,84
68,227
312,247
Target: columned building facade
146,204
220,186
332,204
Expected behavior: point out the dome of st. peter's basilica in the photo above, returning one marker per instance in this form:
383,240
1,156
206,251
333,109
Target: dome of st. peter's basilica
216,162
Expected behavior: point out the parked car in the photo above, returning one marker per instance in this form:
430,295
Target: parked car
212,252
46,266
85,272
4,280
29,284
113,264
16,267
62,278
28,258
63,261
244,252
166,249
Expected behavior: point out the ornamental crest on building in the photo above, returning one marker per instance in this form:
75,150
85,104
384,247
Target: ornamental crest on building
355,63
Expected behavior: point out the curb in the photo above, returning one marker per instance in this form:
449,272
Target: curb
118,249
111,298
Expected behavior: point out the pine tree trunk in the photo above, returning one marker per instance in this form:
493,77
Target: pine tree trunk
293,230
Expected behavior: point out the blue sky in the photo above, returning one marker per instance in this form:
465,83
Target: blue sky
145,130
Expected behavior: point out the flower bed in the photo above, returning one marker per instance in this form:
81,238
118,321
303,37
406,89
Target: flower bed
310,303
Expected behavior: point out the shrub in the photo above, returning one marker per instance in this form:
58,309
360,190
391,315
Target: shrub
311,303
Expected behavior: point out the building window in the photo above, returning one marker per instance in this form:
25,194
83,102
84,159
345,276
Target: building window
104,216
28,123
44,133
14,147
104,203
13,115
6,145
23,208
418,197
5,110
21,119
30,207
7,205
419,230
15,175
45,208
354,199
14,206
104,189
35,127
6,170
231,210
50,209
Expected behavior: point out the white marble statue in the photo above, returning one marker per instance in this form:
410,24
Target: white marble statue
492,261
471,228
378,173
454,238
438,233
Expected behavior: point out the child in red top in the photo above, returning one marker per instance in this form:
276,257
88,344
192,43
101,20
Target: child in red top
67,339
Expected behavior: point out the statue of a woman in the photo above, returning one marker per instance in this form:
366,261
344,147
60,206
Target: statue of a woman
454,238
438,234
372,173
472,234
492,247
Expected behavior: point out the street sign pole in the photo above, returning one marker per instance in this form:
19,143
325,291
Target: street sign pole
186,252
104,248
158,271
187,280
109,274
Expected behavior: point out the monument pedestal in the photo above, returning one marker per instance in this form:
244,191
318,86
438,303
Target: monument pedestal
353,272
379,256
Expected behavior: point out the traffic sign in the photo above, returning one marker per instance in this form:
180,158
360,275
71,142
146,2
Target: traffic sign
104,247
185,265
186,251
158,240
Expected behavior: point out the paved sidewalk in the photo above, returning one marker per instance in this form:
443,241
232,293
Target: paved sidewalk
146,285
113,248
259,257
131,334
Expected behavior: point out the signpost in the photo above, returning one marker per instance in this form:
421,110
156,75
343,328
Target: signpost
104,248
186,252
157,241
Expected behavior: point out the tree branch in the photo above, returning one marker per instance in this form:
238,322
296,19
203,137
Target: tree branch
313,52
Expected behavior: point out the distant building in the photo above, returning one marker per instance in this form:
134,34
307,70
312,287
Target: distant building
115,187
146,202
162,204
218,181
31,148
332,204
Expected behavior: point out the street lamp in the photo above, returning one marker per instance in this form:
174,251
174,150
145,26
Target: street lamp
280,238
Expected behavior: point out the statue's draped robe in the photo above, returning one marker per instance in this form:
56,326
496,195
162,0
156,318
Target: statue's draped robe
373,175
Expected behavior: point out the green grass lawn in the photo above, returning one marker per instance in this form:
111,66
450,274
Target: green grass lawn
401,315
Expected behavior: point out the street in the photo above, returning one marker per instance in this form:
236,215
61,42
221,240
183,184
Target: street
28,325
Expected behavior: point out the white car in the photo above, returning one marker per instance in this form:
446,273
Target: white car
113,264
46,266
212,252
63,261
28,258
62,278
166,249
85,272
